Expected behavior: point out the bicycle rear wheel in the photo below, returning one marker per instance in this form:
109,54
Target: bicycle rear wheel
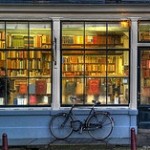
100,126
60,126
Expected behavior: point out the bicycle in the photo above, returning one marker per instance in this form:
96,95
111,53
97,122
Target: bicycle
99,124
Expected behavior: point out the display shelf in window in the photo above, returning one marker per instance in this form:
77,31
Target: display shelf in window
91,41
38,63
93,66
21,41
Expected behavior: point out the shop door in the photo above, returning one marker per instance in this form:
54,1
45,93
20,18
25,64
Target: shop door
144,88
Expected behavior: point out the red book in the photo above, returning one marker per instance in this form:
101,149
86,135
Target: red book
41,87
23,88
93,86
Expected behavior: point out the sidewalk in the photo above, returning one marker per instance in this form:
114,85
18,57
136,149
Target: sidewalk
143,137
143,143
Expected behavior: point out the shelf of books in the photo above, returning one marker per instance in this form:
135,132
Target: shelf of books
97,41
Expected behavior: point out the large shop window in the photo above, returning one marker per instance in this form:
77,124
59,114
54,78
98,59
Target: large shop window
95,62
25,61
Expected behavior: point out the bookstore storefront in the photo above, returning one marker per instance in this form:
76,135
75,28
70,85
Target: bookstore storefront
44,63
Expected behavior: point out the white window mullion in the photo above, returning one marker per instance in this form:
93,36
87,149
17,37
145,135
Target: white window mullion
133,63
56,64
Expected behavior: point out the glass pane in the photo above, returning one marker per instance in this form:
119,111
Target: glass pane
17,35
118,63
95,63
145,77
19,93
144,31
72,87
39,63
72,35
118,35
40,35
2,35
72,63
118,90
17,63
39,91
96,90
95,35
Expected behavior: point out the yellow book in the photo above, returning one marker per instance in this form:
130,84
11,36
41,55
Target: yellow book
43,39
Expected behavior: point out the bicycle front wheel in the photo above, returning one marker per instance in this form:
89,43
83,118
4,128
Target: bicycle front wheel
60,126
100,126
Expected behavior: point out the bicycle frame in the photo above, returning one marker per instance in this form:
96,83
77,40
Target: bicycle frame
84,124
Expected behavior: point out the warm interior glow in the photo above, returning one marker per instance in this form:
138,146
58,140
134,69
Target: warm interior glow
124,24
